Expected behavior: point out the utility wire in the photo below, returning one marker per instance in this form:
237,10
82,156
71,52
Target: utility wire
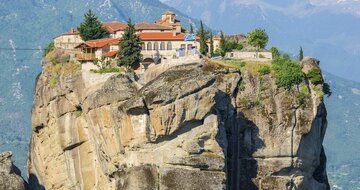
27,49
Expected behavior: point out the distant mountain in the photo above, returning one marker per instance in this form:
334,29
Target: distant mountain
327,29
28,25
342,139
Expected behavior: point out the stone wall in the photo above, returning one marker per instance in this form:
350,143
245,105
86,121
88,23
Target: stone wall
249,55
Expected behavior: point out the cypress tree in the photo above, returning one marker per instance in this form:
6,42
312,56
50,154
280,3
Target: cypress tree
222,44
211,45
191,29
301,54
91,28
129,53
203,47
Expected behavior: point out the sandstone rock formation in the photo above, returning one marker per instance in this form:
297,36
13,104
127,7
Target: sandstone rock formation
192,127
10,175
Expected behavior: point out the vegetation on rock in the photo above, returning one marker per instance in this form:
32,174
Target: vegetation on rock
288,73
315,76
106,70
264,69
49,47
91,28
327,89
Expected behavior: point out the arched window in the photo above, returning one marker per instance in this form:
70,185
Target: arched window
169,46
149,46
142,46
156,46
162,46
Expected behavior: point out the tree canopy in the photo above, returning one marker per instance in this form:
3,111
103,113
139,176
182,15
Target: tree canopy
129,53
202,34
258,38
91,28
228,45
301,54
222,44
275,52
191,31
211,45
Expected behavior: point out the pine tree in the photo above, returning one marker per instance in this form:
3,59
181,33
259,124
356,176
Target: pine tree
211,45
222,44
129,53
91,28
301,54
203,47
191,29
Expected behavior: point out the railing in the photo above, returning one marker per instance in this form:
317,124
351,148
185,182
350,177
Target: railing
85,56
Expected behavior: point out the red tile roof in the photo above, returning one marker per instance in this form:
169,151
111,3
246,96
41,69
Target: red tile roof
100,42
161,36
150,26
110,54
72,31
114,26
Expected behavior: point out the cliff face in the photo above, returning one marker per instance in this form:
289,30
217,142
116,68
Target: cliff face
193,127
10,175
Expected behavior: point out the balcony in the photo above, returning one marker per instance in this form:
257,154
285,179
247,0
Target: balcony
85,56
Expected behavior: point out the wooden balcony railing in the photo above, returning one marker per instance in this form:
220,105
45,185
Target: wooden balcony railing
85,56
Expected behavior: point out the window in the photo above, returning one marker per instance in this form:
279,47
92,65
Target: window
183,46
142,46
68,40
149,46
162,46
156,46
169,46
189,47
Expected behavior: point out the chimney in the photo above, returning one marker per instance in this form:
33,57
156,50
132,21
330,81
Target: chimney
72,30
174,31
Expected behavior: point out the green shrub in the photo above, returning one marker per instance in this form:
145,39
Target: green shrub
288,73
275,52
242,64
78,111
48,48
261,56
241,85
106,70
303,93
53,81
264,70
315,76
65,58
318,90
327,89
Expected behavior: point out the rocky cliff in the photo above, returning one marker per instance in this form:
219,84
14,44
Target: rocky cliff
10,175
197,126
